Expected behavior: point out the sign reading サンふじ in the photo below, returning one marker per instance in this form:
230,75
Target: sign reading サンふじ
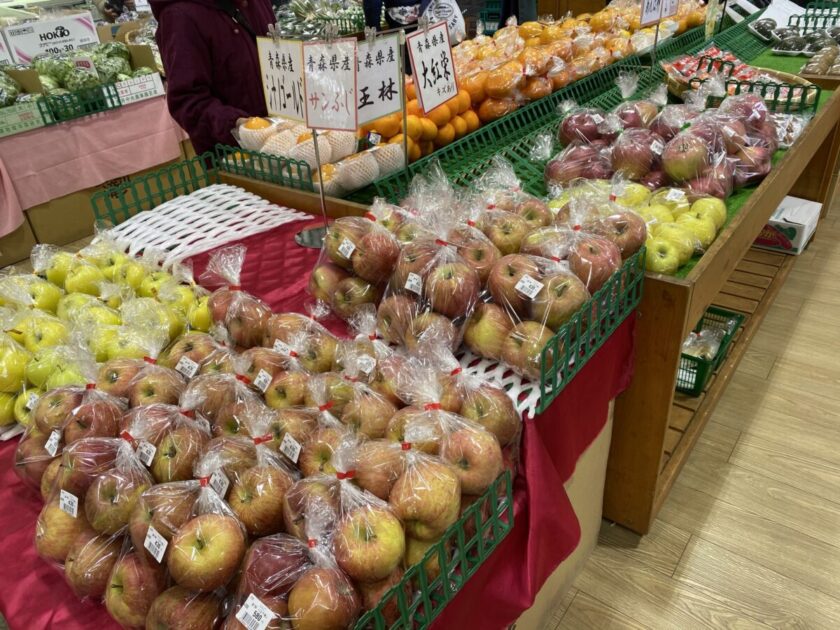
281,67
329,79
59,35
431,60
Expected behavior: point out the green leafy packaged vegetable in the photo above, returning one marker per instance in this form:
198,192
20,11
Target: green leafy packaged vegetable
114,49
110,67
79,79
48,84
56,67
9,90
143,71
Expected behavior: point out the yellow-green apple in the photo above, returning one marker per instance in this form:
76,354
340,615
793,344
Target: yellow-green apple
492,408
155,384
662,256
633,195
84,278
198,316
112,496
409,231
710,207
626,229
674,199
523,348
32,458
257,499
336,391
196,346
133,586
535,212
368,413
351,293
683,239
272,566
486,330
13,360
374,258
550,241
98,415
477,251
24,403
505,229
59,266
415,258
311,495
177,296
703,229
563,294
342,239
178,607
324,280
415,416
114,377
111,263
452,289
7,409
394,317
298,423
317,353
72,303
379,463
372,594
100,341
166,507
369,542
177,452
317,452
503,280
55,407
89,562
287,389
246,320
66,376
415,551
594,260
427,497
475,456
97,314
56,531
206,552
121,343
45,295
43,332
385,385
152,282
431,327
42,364
656,214
323,599
130,274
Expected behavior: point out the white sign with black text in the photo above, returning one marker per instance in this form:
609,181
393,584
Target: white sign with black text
329,79
378,78
431,60
281,69
59,35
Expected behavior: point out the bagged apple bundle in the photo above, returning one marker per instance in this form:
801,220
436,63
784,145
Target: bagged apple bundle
623,227
256,496
329,396
53,263
672,119
590,161
30,291
226,400
318,495
582,125
500,188
313,345
155,383
271,568
35,329
636,154
89,563
169,442
224,460
366,412
391,217
697,157
148,313
244,316
637,114
179,606
14,362
188,354
365,347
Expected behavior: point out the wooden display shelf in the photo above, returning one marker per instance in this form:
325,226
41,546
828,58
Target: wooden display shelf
654,428
825,81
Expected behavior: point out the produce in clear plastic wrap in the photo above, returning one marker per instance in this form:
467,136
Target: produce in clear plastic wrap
224,460
504,229
641,113
13,361
155,384
472,451
314,494
80,464
165,508
58,526
114,377
245,316
178,607
636,152
226,400
98,414
626,229
486,330
590,161
32,459
367,412
89,562
30,291
36,330
580,125
132,588
490,407
191,348
317,453
303,339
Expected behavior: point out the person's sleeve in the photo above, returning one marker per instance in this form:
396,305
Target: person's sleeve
189,73
373,12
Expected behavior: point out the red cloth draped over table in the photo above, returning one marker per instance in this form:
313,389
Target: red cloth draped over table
34,595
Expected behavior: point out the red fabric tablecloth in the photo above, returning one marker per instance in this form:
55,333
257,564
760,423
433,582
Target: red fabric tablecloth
34,595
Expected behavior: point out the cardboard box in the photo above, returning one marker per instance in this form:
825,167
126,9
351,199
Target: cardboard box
790,227
117,32
58,35
17,246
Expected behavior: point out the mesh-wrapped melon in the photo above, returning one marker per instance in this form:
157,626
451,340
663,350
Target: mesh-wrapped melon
357,171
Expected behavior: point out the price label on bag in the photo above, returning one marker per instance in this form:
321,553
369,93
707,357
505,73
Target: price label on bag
290,447
68,503
434,72
378,79
262,381
220,483
528,286
254,615
282,348
657,147
52,443
146,452
281,70
155,544
187,367
31,401
414,283
675,194
366,363
329,81
346,248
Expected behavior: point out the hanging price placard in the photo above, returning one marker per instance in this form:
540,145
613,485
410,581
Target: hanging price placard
651,12
281,69
378,78
329,79
670,8
431,59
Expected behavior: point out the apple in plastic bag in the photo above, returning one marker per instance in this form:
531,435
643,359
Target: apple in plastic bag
523,348
487,329
132,588
369,543
206,552
594,260
179,607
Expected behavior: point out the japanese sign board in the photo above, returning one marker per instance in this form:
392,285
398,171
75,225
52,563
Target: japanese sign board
59,35
19,118
140,88
378,78
651,12
670,8
281,67
329,79
431,60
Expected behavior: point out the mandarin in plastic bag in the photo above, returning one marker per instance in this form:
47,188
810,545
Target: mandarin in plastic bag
505,81
494,108
536,88
475,85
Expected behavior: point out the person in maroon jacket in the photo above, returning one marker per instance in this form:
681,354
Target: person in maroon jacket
209,52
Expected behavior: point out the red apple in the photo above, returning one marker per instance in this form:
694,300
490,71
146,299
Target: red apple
415,258
477,251
98,415
504,278
247,320
685,157
352,293
427,498
89,562
54,408
452,289
155,384
505,230
323,599
373,592
493,409
626,229
594,260
166,507
112,496
234,454
133,586
319,493
342,239
486,330
257,499
475,456
317,453
272,566
369,543
179,607
379,463
562,295
394,317
196,346
31,458
115,376
376,255
206,552
177,452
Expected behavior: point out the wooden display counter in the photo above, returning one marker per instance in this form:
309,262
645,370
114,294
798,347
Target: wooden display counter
655,428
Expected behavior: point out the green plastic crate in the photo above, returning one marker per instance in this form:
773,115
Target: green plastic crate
64,107
419,598
584,334
491,20
119,203
681,44
273,169
693,372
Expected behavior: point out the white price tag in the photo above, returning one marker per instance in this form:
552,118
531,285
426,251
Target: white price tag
329,81
281,70
366,363
657,147
597,119
378,79
85,63
373,138
290,447
670,8
414,283
254,615
528,286
187,367
675,194
262,381
146,452
434,72
31,401
155,544
220,483
68,503
52,443
346,248
282,348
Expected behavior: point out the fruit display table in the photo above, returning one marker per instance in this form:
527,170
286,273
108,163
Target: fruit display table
656,429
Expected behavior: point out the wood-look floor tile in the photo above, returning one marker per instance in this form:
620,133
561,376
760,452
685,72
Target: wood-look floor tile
588,613
660,549
562,606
